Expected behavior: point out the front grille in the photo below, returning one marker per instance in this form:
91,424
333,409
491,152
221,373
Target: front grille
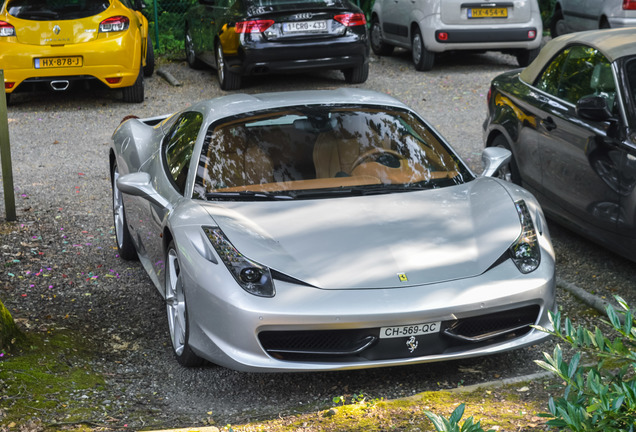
317,344
486,327
365,344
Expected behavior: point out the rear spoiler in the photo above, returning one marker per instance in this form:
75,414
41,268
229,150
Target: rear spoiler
150,121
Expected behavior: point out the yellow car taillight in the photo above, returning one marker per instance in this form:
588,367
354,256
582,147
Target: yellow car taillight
114,24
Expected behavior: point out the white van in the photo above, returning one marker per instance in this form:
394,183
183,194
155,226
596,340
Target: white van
578,15
427,27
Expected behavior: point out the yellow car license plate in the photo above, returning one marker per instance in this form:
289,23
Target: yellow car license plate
56,62
488,13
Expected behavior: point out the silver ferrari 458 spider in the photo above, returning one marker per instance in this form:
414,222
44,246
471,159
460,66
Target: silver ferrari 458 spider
324,230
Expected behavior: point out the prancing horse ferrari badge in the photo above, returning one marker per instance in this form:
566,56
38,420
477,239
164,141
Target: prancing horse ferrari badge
412,343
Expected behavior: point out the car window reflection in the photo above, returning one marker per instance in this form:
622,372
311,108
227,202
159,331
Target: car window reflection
326,148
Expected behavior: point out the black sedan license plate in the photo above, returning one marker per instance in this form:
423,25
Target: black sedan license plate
488,13
305,26
410,330
56,62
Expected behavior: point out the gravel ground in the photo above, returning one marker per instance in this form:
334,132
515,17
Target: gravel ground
61,269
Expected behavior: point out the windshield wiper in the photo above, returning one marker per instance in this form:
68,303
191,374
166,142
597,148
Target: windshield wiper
246,196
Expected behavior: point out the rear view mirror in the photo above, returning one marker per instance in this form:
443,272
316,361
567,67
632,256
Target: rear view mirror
494,158
593,108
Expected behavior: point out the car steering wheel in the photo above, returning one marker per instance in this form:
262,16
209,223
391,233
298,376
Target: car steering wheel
387,157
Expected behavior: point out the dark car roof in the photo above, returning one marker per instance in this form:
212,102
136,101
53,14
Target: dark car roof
613,43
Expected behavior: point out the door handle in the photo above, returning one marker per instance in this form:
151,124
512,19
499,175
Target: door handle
549,124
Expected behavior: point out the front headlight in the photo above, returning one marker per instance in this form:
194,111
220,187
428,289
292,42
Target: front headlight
526,252
251,276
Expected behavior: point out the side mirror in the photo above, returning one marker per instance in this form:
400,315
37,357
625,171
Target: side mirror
494,158
593,108
139,184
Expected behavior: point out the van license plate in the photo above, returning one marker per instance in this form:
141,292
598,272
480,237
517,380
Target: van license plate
488,13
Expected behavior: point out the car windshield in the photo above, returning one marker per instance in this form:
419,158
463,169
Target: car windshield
45,10
325,151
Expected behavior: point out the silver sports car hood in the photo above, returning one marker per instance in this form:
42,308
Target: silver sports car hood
378,241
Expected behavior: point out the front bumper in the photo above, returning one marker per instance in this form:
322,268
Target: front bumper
230,327
107,57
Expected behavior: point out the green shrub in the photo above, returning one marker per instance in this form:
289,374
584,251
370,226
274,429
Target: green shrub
452,424
599,393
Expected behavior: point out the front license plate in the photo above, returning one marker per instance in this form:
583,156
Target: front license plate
305,26
57,62
488,13
410,330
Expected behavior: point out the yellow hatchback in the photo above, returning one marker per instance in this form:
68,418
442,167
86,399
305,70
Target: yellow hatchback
59,43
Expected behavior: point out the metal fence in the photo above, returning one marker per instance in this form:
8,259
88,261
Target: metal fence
167,25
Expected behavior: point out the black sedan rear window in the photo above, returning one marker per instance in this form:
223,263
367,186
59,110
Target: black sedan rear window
46,10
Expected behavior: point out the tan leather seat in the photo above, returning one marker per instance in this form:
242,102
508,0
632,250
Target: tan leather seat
336,150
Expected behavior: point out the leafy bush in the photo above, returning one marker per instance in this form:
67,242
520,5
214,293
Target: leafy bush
452,424
601,395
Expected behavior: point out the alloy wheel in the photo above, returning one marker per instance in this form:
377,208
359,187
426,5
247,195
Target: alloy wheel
175,303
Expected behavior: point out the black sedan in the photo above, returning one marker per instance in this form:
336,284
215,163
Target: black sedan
254,37
570,120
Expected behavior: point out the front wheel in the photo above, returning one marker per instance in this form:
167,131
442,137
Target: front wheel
423,59
510,171
378,45
125,244
190,53
177,309
227,79
357,75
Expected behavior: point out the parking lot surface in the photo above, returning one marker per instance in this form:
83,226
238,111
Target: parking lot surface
64,271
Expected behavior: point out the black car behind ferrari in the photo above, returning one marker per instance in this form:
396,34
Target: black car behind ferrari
253,37
570,120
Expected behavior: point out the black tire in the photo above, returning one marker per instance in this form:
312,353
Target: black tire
525,57
423,59
510,171
227,80
177,311
191,56
556,24
135,93
378,45
123,238
150,59
357,75
8,98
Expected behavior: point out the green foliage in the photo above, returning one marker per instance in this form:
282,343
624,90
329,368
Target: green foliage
452,424
547,9
170,24
600,394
